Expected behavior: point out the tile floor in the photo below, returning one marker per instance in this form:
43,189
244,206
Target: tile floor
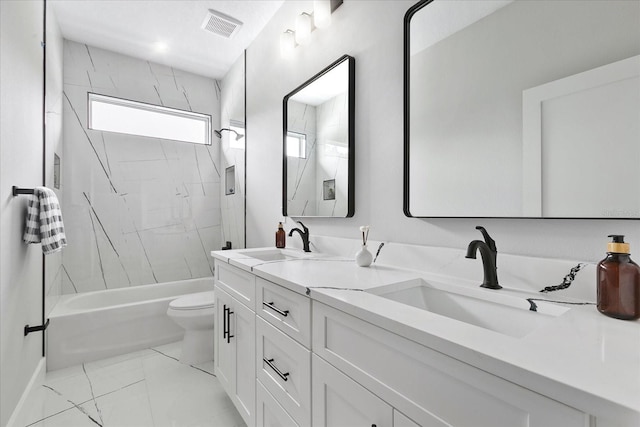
146,388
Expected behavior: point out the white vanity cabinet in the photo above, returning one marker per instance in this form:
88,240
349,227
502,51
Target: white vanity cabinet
428,388
235,337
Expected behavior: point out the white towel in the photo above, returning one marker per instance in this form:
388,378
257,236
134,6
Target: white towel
44,221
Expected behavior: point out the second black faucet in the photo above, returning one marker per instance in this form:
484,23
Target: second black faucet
489,254
304,234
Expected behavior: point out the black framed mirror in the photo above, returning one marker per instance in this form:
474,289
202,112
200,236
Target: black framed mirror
318,144
522,109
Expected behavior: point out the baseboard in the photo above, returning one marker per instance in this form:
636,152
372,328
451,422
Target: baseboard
24,405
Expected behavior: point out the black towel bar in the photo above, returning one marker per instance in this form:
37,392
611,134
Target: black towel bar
16,191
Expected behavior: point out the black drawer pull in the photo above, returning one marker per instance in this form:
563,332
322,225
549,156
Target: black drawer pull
270,305
277,371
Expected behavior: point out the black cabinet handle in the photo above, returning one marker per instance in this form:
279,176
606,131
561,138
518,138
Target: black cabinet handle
276,370
229,336
270,305
226,320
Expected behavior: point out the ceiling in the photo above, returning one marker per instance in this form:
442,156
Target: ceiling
164,31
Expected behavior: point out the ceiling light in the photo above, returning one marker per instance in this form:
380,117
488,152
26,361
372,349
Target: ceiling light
303,28
321,13
160,47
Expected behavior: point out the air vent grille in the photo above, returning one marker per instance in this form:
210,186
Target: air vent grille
221,24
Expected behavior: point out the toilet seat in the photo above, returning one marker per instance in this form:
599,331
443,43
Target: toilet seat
195,301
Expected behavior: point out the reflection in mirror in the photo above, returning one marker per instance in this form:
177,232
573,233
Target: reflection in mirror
318,144
522,109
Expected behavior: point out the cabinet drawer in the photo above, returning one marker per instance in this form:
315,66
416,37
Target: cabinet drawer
401,420
269,413
427,386
286,310
238,283
284,368
339,401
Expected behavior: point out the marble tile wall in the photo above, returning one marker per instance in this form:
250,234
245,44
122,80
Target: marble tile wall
137,210
302,192
333,149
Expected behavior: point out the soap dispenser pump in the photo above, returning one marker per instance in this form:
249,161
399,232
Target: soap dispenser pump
618,282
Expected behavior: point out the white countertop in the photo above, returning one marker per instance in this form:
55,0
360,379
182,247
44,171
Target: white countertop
581,358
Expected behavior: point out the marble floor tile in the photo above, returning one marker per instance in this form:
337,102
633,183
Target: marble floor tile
147,388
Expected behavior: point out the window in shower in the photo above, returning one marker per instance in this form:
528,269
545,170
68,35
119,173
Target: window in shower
296,145
111,114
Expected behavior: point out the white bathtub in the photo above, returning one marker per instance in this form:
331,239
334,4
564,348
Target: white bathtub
95,325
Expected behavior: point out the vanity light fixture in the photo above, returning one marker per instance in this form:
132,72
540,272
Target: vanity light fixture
287,43
218,133
303,28
306,23
322,13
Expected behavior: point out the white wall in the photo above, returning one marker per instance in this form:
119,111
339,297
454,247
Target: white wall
372,32
20,164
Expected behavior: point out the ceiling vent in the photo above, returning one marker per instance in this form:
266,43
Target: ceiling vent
221,24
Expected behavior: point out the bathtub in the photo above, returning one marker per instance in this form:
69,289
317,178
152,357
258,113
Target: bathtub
95,325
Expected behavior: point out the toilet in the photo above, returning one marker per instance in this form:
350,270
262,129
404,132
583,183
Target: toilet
195,313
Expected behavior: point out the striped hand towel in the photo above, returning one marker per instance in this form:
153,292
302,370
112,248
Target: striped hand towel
44,221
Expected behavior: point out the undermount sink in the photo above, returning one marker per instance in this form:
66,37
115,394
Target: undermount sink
488,309
274,254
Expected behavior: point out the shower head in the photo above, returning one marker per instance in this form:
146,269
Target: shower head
218,133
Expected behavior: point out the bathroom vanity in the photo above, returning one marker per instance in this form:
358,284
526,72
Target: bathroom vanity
307,339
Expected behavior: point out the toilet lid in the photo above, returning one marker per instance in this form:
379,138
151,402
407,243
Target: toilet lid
193,301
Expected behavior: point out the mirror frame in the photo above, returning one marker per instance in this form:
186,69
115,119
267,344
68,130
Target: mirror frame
351,135
406,103
406,129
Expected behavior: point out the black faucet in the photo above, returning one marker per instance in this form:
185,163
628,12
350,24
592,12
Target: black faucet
489,254
304,234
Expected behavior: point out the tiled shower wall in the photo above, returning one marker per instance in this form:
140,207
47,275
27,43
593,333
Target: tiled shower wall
137,210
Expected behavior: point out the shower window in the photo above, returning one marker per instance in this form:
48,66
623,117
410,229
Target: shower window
136,118
296,145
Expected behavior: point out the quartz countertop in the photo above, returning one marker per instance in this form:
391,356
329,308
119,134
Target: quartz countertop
581,358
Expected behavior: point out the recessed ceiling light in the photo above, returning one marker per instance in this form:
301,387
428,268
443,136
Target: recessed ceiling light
160,47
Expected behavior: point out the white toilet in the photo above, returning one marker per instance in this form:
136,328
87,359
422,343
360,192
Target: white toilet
195,313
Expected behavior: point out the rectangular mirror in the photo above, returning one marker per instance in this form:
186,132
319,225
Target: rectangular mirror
522,109
318,144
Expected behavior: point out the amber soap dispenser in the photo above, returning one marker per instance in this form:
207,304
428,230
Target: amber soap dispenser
281,236
618,281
